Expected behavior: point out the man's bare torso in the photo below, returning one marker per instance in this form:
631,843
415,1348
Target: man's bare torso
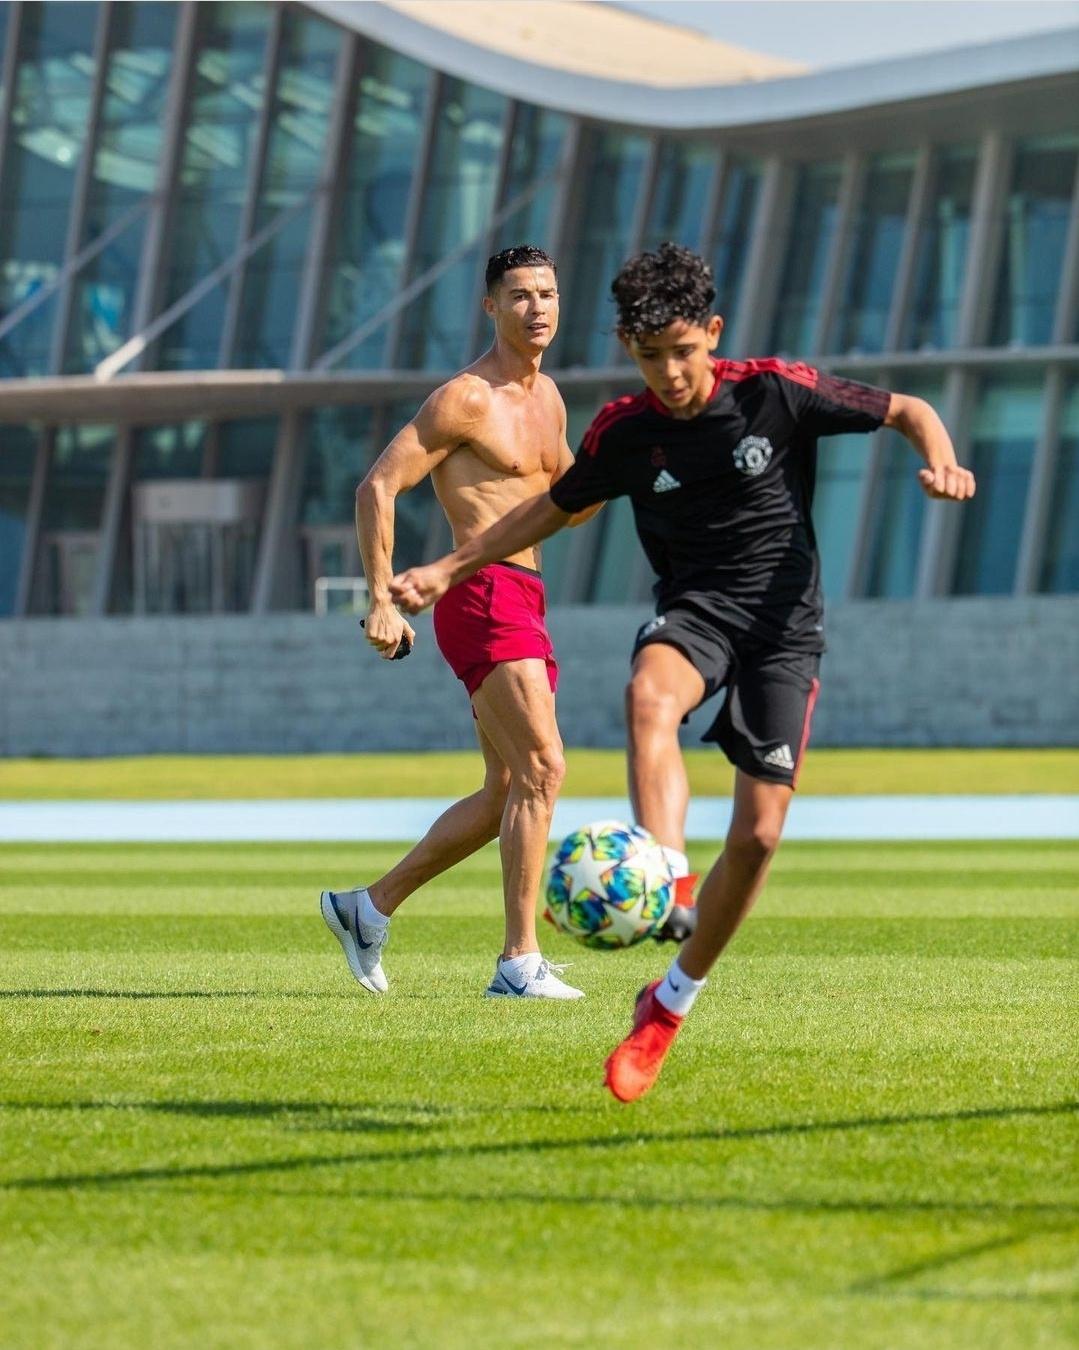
511,439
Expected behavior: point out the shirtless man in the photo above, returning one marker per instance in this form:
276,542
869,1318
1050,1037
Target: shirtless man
491,438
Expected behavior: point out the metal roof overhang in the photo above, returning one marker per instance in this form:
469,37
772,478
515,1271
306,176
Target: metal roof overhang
716,107
146,398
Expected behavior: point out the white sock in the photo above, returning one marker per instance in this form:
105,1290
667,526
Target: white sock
677,862
368,914
677,991
524,966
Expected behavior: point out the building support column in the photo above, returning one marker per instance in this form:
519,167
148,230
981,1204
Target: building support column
275,567
764,263
84,175
906,271
8,72
24,585
1040,492
851,188
327,205
230,323
940,531
414,213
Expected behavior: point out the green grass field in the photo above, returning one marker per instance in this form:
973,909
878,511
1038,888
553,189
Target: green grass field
210,1137
590,773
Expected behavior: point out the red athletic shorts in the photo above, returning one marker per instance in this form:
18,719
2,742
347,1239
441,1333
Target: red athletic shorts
494,616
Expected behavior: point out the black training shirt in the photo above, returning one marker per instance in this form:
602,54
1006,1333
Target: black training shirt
722,500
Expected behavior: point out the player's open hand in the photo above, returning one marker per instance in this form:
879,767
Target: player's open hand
419,587
384,628
948,482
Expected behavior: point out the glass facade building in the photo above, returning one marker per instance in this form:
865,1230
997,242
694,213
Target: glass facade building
272,199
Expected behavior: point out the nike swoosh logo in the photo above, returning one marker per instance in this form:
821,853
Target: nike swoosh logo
518,991
676,987
359,940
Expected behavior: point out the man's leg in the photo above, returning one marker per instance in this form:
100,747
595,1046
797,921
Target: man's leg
738,876
461,829
663,688
515,708
727,895
359,918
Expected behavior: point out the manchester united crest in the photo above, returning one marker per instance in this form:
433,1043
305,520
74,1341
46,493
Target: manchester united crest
752,455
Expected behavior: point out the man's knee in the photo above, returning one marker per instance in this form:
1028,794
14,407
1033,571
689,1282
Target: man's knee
754,842
542,774
649,706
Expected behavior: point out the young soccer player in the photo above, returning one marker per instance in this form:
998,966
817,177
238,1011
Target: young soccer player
492,438
718,458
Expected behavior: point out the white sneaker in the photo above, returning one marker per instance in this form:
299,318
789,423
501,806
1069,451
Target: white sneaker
362,943
542,983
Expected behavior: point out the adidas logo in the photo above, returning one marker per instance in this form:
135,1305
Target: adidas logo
665,482
780,757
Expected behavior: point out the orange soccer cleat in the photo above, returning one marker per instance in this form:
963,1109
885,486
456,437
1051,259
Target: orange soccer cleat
634,1066
681,922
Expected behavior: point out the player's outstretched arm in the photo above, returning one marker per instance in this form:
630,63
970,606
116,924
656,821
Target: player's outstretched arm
918,421
527,524
436,430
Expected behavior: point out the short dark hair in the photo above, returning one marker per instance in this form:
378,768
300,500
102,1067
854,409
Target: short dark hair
654,289
521,255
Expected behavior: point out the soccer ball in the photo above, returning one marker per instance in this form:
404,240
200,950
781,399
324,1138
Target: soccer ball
610,885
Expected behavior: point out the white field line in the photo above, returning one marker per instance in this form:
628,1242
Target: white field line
406,818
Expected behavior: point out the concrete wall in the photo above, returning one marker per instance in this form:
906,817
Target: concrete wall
982,671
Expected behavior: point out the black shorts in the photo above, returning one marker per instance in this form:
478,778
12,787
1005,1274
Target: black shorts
763,723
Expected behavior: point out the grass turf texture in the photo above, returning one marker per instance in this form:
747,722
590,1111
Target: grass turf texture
210,1136
590,773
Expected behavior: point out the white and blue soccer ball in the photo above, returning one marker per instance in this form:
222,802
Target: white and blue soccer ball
610,885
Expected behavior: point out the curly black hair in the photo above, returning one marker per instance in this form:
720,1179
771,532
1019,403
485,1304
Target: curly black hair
521,255
654,289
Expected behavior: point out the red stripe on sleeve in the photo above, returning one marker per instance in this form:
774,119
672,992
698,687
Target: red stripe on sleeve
606,417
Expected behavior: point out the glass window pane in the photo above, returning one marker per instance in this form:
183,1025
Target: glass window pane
457,206
942,252
50,108
125,173
1036,227
219,141
173,450
841,465
873,255
1060,567
1006,427
683,175
535,154
18,446
812,227
737,212
292,172
245,448
78,471
339,453
613,168
898,509
368,247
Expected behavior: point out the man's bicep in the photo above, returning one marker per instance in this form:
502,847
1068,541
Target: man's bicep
418,448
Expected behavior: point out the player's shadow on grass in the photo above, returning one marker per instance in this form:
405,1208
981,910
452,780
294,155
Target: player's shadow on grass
472,1152
129,993
321,1117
